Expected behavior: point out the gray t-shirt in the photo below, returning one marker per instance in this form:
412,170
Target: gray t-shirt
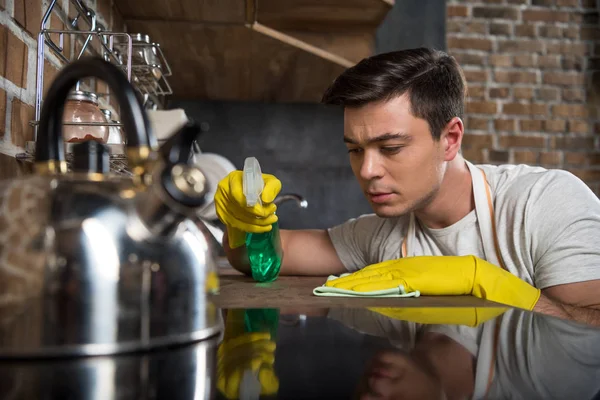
548,226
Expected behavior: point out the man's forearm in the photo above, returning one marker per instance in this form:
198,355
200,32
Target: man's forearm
586,315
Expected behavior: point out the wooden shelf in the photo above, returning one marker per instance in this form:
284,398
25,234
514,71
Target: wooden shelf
260,50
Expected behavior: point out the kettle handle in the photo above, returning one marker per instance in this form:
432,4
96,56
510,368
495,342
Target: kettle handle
49,150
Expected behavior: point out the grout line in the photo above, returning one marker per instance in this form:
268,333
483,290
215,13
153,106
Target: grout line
8,122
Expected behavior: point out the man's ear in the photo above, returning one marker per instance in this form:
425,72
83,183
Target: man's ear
451,138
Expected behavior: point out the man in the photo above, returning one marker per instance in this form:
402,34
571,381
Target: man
531,233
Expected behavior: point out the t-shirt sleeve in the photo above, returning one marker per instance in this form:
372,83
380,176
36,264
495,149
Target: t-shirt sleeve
563,217
358,241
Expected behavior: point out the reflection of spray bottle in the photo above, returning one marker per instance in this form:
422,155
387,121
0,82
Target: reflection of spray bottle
252,333
264,249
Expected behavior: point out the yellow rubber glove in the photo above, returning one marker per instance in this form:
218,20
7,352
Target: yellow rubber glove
230,204
469,316
444,275
243,351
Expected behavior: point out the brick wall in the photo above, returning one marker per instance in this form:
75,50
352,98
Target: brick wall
533,89
19,26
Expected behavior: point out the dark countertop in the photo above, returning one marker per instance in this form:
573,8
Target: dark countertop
312,350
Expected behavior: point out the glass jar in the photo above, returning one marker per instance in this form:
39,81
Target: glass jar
83,107
114,132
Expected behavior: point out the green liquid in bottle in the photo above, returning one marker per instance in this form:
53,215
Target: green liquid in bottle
264,253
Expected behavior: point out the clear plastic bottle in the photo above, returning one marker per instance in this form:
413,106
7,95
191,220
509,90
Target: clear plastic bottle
264,249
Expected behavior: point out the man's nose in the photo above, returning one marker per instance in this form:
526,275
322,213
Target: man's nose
371,167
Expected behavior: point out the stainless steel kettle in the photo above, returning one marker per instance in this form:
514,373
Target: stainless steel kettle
92,263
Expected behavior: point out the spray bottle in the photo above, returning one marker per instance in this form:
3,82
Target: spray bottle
264,249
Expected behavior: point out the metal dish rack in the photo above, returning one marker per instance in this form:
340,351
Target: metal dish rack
115,47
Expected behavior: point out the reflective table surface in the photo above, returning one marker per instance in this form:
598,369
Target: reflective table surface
340,353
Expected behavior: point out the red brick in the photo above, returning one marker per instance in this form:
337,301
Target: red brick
475,92
570,110
531,125
572,62
478,124
555,125
579,142
50,72
2,4
469,59
482,107
549,61
563,78
104,9
522,93
504,125
117,19
586,175
576,158
57,24
28,14
457,11
515,77
525,157
2,112
571,32
475,76
474,155
16,60
552,158
500,29
510,46
525,109
498,156
545,15
510,13
524,60
3,46
525,30
542,3
500,60
580,49
588,3
464,26
551,31
567,3
573,95
593,158
548,94
21,131
576,126
469,43
590,33
477,141
522,141
498,93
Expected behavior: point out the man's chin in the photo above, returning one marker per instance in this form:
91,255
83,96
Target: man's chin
389,211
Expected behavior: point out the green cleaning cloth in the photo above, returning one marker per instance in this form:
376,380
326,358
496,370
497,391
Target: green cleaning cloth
335,292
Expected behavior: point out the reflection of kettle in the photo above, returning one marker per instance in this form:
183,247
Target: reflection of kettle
93,263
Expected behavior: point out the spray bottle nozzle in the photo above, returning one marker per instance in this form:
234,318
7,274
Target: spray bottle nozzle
253,183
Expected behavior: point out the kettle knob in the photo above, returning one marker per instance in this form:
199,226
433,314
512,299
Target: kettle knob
90,157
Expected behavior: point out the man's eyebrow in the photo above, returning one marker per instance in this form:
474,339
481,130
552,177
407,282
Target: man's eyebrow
381,138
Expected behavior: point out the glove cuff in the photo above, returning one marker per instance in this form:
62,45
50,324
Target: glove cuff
235,237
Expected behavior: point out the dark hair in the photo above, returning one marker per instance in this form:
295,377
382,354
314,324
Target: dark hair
433,80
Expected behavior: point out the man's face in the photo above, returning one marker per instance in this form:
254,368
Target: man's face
398,164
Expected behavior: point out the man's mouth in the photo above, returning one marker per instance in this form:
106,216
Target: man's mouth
379,197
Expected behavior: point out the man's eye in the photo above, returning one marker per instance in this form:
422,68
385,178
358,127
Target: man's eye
357,150
391,149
